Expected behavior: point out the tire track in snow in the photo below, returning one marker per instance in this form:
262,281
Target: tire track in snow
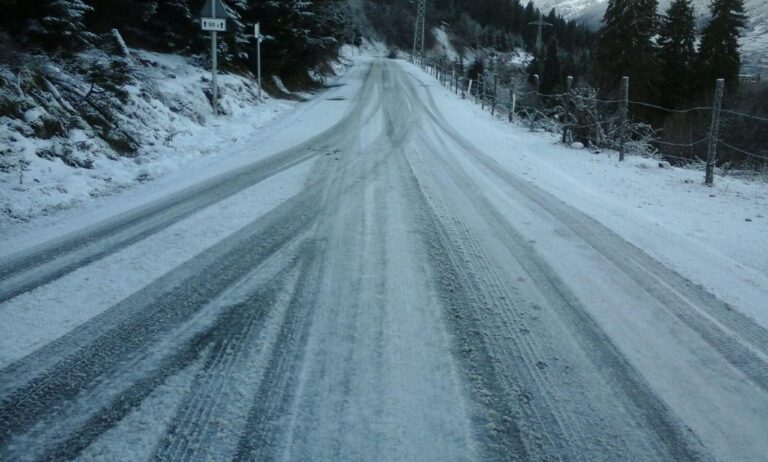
234,368
739,340
606,357
107,343
41,264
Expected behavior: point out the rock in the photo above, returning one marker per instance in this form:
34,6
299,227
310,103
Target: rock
665,164
577,145
688,181
747,219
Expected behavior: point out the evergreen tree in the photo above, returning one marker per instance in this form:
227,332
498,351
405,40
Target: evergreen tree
677,53
719,55
48,24
552,73
625,47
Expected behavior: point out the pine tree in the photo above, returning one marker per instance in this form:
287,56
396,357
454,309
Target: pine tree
719,55
625,47
677,53
552,74
49,24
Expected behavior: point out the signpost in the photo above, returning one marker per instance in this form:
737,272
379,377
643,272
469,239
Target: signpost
259,38
214,19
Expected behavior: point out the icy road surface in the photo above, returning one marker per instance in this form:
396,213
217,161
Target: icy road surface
382,290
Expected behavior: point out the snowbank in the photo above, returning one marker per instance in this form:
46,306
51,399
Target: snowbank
716,237
167,112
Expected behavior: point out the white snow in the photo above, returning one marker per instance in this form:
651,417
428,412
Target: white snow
701,232
173,120
443,45
28,322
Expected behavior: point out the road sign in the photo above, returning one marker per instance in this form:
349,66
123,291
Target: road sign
214,18
214,9
217,25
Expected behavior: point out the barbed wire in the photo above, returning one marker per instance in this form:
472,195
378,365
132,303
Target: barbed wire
595,100
682,145
654,106
687,159
593,124
484,96
751,154
750,116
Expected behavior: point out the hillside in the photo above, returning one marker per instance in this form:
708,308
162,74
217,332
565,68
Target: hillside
99,95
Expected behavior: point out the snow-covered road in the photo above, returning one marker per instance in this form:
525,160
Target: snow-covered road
379,288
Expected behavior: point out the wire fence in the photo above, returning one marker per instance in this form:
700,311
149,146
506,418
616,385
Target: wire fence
579,115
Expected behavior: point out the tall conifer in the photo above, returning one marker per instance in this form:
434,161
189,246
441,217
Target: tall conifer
677,53
719,55
626,47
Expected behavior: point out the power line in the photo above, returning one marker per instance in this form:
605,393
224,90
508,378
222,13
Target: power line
749,116
746,153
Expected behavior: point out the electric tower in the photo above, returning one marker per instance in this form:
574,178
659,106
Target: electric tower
419,28
540,23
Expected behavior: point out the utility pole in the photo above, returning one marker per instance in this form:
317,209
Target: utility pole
419,28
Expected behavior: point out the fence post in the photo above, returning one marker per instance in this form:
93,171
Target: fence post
481,90
510,110
624,102
709,177
536,83
495,86
566,125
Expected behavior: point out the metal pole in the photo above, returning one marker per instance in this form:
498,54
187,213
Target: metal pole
214,62
566,124
214,71
624,98
258,60
709,177
418,33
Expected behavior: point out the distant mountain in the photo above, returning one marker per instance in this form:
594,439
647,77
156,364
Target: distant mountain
754,42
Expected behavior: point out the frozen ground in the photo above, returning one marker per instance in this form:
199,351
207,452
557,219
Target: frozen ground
388,273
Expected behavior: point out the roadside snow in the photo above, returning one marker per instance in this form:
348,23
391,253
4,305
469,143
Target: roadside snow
198,152
715,236
167,112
